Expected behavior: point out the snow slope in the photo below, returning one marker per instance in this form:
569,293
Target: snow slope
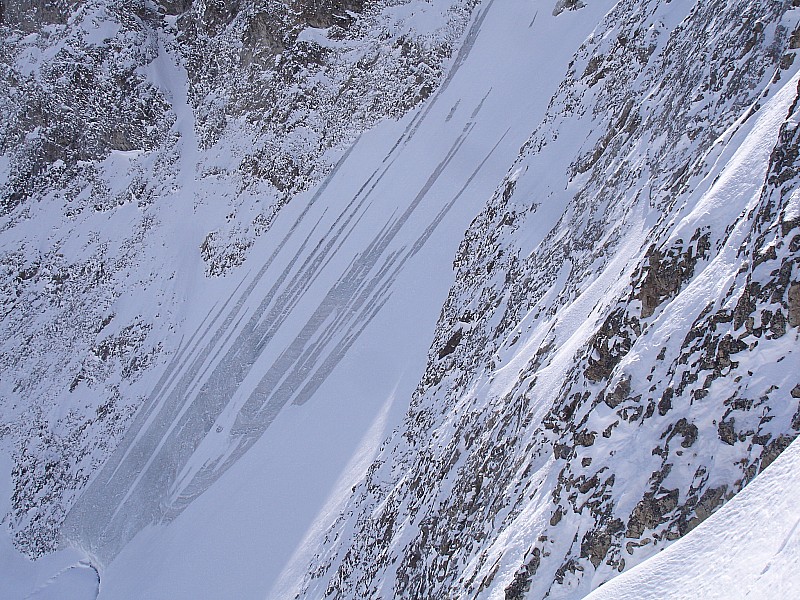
616,358
240,359
282,395
750,548
145,147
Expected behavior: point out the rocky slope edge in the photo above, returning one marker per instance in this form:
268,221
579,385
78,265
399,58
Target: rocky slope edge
618,356
144,146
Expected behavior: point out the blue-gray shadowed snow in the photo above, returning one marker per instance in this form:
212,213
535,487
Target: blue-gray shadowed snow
247,360
616,358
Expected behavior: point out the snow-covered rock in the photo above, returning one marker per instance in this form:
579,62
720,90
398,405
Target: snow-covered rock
233,260
613,362
145,147
748,549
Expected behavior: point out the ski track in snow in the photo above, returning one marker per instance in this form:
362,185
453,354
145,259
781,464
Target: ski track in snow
229,381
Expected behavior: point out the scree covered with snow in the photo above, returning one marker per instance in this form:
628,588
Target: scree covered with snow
399,299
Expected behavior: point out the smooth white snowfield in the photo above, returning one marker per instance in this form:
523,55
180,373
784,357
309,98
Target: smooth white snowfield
293,371
750,548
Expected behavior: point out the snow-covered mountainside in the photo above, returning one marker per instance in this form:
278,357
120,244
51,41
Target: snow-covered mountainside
395,298
746,550
136,151
607,370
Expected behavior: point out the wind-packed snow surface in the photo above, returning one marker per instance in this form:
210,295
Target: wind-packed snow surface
748,549
238,361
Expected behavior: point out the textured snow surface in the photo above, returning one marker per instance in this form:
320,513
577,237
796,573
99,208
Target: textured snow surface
239,359
750,548
370,250
62,575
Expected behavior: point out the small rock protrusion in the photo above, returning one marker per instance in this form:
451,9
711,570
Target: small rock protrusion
793,298
650,512
726,432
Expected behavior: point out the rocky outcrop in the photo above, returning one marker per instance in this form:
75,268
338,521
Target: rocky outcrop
634,325
30,15
139,136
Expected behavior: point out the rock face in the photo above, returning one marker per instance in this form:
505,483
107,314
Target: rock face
610,365
116,111
605,373
29,15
